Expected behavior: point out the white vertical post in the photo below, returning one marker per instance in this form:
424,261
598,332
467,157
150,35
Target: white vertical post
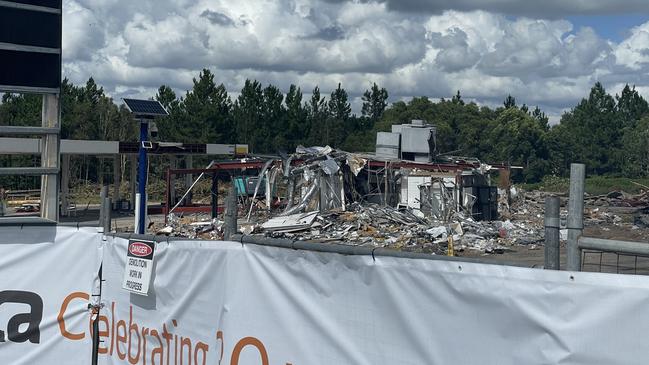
65,185
575,221
50,158
342,194
133,180
137,212
552,225
268,192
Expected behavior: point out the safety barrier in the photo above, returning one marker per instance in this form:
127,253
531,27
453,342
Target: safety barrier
282,302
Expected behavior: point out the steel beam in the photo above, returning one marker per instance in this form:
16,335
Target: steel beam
9,130
29,171
616,246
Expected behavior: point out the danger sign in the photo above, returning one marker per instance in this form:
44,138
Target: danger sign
139,266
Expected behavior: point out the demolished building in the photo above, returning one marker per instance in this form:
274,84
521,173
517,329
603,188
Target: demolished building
327,195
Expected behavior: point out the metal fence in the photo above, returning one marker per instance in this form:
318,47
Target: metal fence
614,262
589,253
614,256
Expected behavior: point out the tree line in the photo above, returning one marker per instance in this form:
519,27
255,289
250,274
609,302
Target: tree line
610,134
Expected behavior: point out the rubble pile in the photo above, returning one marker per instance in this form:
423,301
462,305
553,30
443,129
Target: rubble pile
619,199
383,226
197,226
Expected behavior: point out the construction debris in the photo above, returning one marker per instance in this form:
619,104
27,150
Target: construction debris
199,226
320,194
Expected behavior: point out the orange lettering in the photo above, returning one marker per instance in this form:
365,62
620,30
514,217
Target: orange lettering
120,339
158,350
60,317
203,348
249,341
132,328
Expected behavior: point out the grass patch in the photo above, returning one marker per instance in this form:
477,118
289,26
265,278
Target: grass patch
595,185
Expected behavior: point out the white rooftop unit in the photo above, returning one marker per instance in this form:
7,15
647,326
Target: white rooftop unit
387,145
415,141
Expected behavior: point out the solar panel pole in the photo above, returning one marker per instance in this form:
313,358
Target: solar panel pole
142,164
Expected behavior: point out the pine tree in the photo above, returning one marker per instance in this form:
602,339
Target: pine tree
297,128
339,113
510,102
247,113
317,114
374,103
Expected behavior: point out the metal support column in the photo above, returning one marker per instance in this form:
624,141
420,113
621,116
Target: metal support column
575,221
171,181
552,225
231,212
117,177
50,158
323,194
214,192
142,177
189,164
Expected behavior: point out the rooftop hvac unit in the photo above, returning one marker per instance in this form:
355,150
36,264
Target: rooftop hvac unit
387,145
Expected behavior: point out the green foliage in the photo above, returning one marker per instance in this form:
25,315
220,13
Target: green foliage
375,101
519,140
510,102
591,134
609,134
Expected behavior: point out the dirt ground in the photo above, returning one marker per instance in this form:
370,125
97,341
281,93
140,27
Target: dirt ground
625,230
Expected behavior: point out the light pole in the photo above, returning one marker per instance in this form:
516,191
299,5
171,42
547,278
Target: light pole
144,111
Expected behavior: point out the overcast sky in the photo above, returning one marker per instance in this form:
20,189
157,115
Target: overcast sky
547,53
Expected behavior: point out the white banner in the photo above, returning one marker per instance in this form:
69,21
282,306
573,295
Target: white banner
46,281
227,303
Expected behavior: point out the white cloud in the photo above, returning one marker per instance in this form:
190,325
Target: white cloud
633,52
546,8
83,31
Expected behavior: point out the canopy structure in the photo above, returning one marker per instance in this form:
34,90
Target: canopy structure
115,149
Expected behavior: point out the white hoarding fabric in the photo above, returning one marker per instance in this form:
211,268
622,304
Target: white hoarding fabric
47,276
228,303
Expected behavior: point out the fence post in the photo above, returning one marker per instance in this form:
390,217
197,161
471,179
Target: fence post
106,208
575,221
552,224
231,211
95,324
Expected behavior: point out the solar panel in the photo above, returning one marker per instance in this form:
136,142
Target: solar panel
145,108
